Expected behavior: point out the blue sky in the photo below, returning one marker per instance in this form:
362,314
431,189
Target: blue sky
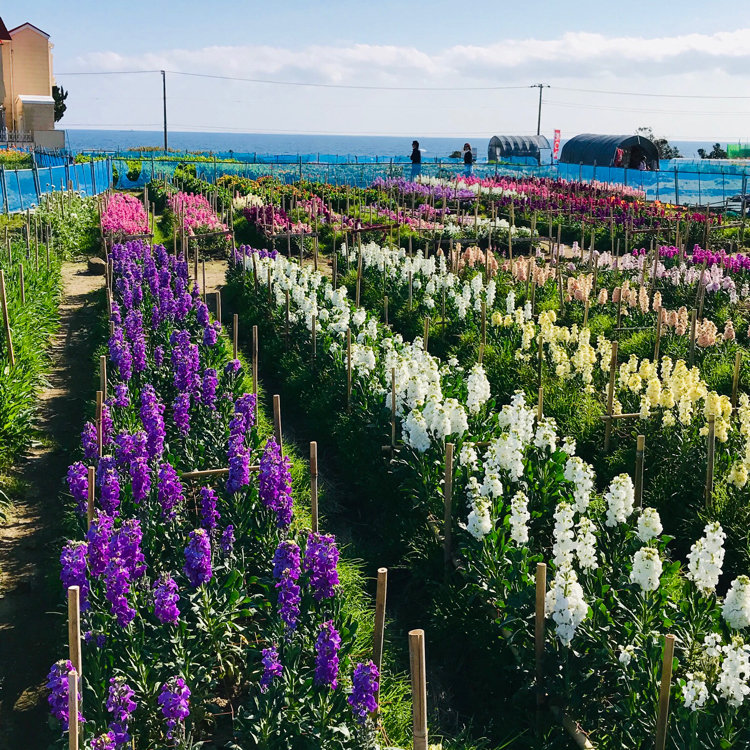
579,48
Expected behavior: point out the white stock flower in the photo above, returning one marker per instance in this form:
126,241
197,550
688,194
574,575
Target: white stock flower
694,691
712,642
620,498
736,607
519,518
706,558
479,522
586,544
415,431
626,654
647,569
581,475
468,456
735,670
568,446
546,436
565,604
478,389
564,546
649,525
510,302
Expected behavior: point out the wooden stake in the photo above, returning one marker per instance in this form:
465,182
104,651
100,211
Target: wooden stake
22,283
640,447
711,451
658,336
610,395
348,369
664,691
218,306
255,360
314,337
540,404
314,486
736,377
6,319
73,710
99,430
379,631
385,308
277,419
693,321
393,409
92,491
103,376
426,331
418,688
74,628
448,507
203,289
539,631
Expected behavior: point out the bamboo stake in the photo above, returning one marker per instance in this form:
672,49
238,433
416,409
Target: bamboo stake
385,308
74,628
204,282
218,306
348,369
99,430
693,321
379,631
664,690
539,631
393,409
314,486
448,507
640,447
6,319
711,450
314,337
540,404
22,283
658,336
610,395
73,710
418,688
255,360
103,376
484,323
736,377
92,490
277,419
426,331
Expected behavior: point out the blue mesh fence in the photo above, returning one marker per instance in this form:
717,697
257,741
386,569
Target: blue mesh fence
677,182
22,188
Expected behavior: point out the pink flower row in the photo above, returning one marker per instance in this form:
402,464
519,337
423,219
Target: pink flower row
194,212
124,214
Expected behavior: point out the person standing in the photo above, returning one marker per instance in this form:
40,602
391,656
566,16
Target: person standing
468,159
416,160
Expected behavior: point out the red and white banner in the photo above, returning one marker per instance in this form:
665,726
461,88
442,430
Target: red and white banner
556,145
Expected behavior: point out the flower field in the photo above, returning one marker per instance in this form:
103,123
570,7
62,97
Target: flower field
532,398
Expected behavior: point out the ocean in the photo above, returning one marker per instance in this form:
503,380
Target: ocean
278,144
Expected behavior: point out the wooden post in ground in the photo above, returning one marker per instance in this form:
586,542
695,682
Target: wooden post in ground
664,691
711,453
6,319
103,376
73,726
610,396
92,490
418,688
736,377
379,631
540,404
99,426
658,336
348,369
314,486
277,419
203,288
218,306
22,283
448,507
255,360
640,447
693,321
74,628
539,632
235,329
426,331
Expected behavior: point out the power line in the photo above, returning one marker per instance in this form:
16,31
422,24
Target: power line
661,96
575,105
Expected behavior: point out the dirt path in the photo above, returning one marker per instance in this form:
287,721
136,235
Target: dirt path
32,634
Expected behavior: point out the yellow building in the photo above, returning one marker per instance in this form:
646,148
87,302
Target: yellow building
28,109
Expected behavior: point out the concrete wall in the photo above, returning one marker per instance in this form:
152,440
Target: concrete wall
49,138
35,116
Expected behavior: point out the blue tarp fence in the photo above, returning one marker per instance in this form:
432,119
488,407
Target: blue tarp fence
679,181
22,188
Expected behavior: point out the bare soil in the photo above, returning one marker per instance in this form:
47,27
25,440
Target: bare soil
32,622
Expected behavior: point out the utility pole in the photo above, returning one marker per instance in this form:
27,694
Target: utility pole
164,97
539,86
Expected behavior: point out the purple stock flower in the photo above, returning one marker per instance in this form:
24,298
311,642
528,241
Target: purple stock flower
211,333
201,314
73,570
364,688
139,353
209,514
197,566
140,478
208,391
289,601
107,428
170,492
158,355
108,481
117,587
271,668
57,684
153,421
121,705
321,560
227,540
126,544
185,362
116,317
133,324
121,399
181,413
98,536
246,405
104,741
275,484
174,700
78,484
239,472
165,600
89,441
232,367
327,648
286,559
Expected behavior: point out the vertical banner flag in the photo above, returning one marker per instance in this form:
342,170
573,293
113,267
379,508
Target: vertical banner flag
556,145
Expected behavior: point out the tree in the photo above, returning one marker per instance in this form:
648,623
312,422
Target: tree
666,151
59,94
716,153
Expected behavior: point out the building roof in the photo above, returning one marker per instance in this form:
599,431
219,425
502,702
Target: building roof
589,148
4,35
35,99
30,26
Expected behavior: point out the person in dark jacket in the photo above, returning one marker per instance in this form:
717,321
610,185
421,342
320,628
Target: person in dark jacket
468,159
416,160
